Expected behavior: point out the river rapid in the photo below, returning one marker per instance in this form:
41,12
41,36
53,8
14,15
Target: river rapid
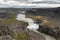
33,26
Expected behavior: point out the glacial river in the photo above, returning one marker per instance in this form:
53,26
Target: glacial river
33,26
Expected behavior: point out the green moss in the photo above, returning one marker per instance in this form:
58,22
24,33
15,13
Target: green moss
9,20
23,36
15,36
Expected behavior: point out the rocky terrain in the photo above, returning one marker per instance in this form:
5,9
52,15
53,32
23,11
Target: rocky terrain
48,20
11,29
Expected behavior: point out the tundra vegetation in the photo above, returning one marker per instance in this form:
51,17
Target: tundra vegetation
12,20
46,26
20,36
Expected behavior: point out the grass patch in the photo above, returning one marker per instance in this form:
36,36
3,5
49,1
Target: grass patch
15,36
9,20
35,17
42,20
12,18
21,36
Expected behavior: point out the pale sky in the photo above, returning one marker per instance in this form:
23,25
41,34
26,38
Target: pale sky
27,3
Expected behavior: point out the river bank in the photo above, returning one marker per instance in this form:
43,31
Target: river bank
32,26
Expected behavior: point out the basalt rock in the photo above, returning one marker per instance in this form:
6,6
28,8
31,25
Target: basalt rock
50,31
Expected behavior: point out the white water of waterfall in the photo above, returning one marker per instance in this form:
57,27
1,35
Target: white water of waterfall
32,26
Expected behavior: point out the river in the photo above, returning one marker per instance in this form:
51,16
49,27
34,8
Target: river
33,26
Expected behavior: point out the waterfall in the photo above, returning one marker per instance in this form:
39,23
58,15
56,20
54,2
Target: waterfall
32,26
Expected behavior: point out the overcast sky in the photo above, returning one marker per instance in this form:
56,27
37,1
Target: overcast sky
29,3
